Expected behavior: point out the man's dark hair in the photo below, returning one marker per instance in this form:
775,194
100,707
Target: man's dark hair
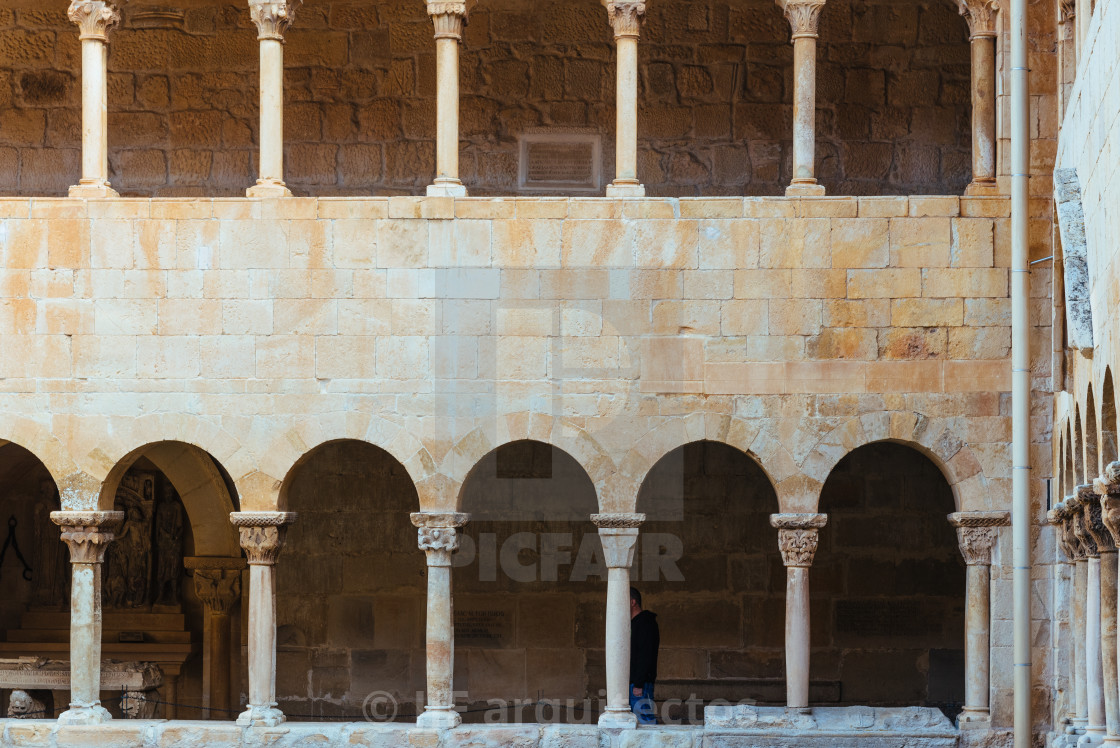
636,596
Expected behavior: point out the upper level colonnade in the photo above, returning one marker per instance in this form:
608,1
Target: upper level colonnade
277,20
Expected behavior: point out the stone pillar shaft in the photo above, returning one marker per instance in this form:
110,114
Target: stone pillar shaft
626,17
1094,671
619,535
448,19
1107,488
804,18
262,538
95,19
272,18
217,583
1080,592
87,534
981,18
797,540
438,537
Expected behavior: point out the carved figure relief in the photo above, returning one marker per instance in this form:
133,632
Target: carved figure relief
145,562
169,547
21,705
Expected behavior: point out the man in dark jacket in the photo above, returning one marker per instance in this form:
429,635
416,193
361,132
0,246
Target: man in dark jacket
644,642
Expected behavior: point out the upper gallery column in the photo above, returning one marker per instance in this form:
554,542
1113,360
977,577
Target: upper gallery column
619,535
1084,524
95,18
981,17
626,17
1107,487
87,534
977,533
449,18
262,538
272,18
803,17
797,540
438,536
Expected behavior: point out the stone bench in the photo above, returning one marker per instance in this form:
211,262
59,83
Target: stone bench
137,682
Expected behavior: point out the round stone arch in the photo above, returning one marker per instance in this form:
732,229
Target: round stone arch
292,447
196,476
557,432
933,437
77,489
749,436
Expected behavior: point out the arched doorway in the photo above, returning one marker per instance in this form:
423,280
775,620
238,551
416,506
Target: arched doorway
529,588
350,586
35,569
709,565
890,582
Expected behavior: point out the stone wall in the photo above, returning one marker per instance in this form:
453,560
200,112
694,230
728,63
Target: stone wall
715,97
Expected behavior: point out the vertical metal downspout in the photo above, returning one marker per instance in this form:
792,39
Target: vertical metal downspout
1020,373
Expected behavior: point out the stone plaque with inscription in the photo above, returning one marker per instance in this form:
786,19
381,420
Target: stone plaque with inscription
483,627
560,162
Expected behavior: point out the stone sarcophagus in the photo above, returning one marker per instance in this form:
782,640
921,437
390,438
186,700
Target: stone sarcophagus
137,683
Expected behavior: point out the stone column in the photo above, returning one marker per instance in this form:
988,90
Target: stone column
272,18
217,582
619,535
626,17
977,533
1080,592
1083,13
87,535
1067,53
1107,487
449,18
1058,516
803,17
262,537
981,17
438,536
95,18
797,539
1085,527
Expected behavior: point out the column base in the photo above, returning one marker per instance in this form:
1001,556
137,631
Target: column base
92,189
618,718
1091,738
268,188
626,189
94,714
261,716
1112,740
805,189
974,719
446,188
983,189
439,718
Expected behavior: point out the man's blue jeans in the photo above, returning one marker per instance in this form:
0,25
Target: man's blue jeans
643,705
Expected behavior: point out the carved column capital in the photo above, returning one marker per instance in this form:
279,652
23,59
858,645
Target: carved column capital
798,537
262,534
95,18
625,17
1080,525
449,18
273,17
977,534
217,581
87,534
1094,521
803,15
618,532
1107,487
1068,10
437,534
1058,516
981,17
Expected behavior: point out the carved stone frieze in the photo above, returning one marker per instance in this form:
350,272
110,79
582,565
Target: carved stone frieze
95,18
273,17
87,534
803,16
980,15
625,17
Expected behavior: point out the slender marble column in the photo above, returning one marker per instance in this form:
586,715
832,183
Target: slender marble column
981,17
804,18
87,535
438,536
619,535
1084,527
1058,516
262,538
1107,487
626,17
95,19
272,18
977,533
797,540
217,582
448,18
1083,12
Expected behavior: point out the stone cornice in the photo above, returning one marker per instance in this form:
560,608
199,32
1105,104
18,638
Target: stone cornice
803,16
798,521
618,520
981,17
625,17
94,18
273,17
980,519
439,519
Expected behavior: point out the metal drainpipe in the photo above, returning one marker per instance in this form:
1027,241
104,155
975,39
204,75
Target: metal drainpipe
1020,373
